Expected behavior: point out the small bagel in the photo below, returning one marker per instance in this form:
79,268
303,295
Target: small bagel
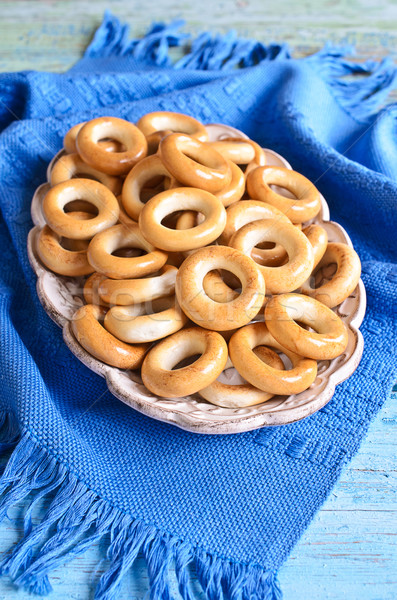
147,169
93,192
318,238
247,211
159,375
155,122
244,394
166,203
327,341
145,322
91,290
71,262
112,163
304,206
343,282
286,277
134,291
194,163
239,151
259,374
69,141
100,343
259,158
104,244
236,188
72,166
206,312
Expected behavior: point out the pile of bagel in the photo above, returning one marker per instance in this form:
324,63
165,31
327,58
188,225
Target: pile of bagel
196,257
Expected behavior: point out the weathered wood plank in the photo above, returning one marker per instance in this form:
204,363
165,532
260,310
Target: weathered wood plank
52,35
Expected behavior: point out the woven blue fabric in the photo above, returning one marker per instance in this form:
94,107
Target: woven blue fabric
230,507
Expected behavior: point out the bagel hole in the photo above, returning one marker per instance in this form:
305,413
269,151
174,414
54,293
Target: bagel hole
154,182
231,280
128,252
322,275
306,326
153,186
286,361
170,220
113,145
81,206
82,175
266,245
148,193
283,191
194,218
270,261
74,245
186,362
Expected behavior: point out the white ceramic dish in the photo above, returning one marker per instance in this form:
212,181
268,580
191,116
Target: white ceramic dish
61,296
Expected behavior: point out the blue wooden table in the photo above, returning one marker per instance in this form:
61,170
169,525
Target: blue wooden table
350,550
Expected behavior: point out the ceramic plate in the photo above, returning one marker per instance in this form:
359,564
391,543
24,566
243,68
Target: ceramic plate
61,296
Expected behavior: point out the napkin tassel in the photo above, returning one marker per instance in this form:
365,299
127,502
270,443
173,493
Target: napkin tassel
77,518
220,52
206,52
112,39
358,87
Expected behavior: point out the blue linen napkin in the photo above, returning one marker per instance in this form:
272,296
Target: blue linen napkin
229,507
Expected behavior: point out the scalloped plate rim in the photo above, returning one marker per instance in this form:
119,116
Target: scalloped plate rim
186,421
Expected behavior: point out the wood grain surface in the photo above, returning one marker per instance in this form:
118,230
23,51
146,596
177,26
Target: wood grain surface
51,35
350,550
